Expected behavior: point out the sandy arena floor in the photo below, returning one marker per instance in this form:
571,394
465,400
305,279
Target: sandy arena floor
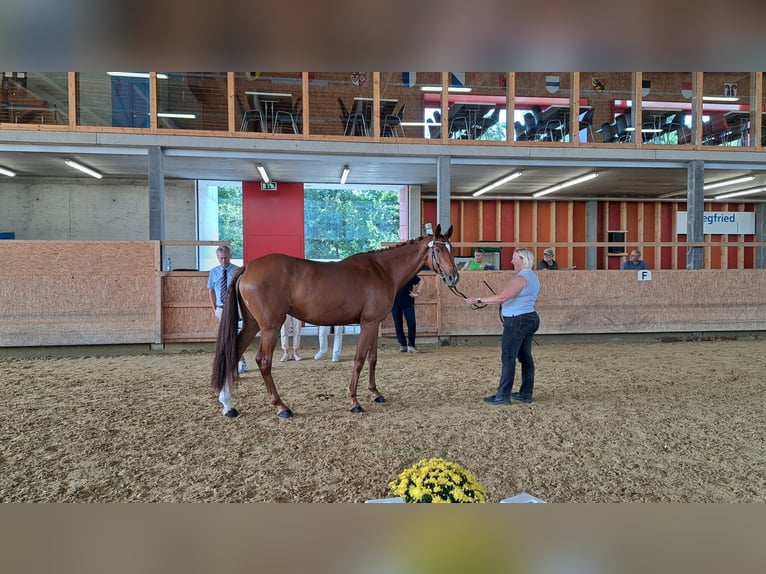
611,422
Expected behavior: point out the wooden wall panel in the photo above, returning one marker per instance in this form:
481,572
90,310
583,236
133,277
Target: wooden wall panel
61,297
79,293
186,311
616,302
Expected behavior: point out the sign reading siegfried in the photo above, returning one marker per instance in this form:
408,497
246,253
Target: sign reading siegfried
721,222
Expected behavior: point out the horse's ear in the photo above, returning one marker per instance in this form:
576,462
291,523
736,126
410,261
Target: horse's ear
438,229
449,232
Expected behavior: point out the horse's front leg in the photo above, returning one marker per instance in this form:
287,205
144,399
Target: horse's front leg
359,358
367,335
264,359
372,361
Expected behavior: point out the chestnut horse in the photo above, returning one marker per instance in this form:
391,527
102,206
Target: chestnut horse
358,289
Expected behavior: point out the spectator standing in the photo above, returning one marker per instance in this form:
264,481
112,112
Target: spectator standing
337,342
291,326
404,308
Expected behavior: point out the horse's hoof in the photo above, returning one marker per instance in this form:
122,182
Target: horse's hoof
357,409
379,399
286,414
231,413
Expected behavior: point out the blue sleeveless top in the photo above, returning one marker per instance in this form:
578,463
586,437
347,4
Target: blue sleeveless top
524,302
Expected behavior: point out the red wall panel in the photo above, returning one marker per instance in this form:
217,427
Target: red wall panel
507,232
654,221
272,221
527,223
428,208
489,231
469,224
579,232
544,233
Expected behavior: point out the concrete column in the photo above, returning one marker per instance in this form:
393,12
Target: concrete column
443,187
695,201
414,213
156,193
760,235
591,234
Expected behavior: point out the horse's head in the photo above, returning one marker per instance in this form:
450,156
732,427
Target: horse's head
440,257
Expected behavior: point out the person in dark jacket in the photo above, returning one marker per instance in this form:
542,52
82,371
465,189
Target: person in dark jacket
404,307
547,262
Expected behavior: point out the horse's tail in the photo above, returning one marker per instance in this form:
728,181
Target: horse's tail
226,356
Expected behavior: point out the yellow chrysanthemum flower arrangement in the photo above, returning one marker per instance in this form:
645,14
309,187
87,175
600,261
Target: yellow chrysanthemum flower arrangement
438,481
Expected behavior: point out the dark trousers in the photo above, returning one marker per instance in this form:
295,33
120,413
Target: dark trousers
517,344
409,315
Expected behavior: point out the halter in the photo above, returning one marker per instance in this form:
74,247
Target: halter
434,263
436,267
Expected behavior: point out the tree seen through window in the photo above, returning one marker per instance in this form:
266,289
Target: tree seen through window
341,222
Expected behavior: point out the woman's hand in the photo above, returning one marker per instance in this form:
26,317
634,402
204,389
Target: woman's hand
472,300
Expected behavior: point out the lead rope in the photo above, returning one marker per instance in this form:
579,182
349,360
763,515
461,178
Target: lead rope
500,307
436,267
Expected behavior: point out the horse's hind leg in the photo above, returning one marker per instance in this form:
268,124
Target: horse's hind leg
249,330
244,338
264,359
224,397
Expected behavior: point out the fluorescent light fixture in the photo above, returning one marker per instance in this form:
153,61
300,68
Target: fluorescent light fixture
709,186
718,184
344,175
136,75
719,99
742,192
84,169
492,186
174,115
566,184
264,176
462,89
7,172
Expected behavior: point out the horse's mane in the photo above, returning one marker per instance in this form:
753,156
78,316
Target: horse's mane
388,248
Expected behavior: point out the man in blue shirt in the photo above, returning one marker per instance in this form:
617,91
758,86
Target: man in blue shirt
634,262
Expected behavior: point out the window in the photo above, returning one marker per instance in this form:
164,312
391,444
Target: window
339,222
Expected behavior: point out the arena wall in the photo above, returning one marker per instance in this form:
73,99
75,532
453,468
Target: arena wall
113,292
79,293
